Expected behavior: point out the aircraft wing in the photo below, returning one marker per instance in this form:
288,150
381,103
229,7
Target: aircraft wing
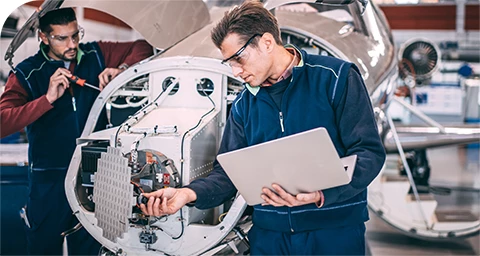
417,137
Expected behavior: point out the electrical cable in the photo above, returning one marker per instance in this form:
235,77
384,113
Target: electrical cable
139,188
120,126
182,145
222,216
191,129
183,226
182,153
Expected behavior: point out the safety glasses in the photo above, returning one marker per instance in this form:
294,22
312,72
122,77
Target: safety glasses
63,40
238,58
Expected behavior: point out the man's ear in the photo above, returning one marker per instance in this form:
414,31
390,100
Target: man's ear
268,41
43,37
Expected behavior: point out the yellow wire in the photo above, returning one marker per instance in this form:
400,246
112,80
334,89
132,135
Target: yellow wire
220,218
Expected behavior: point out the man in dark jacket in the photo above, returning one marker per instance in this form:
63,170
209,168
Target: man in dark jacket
289,91
39,96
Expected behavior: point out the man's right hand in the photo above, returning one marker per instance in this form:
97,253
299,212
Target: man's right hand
58,84
167,201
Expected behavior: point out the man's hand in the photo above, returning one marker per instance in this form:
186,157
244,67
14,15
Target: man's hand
167,201
280,197
107,75
58,84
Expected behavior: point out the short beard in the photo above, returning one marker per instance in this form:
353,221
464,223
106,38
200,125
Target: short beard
63,57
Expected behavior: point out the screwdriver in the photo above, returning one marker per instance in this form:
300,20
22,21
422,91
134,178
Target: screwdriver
81,82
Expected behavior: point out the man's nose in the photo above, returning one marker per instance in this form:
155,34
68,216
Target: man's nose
72,43
236,71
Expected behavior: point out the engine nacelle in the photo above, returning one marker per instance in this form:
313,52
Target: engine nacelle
419,59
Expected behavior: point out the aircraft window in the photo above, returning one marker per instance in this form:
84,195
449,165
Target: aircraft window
205,87
167,82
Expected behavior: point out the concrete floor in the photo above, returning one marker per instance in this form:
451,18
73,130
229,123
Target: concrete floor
453,167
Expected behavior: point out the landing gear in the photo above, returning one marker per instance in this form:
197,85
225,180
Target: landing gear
403,197
418,164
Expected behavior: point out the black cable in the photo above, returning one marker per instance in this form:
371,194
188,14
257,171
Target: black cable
181,154
155,250
116,134
182,146
120,127
183,227
185,134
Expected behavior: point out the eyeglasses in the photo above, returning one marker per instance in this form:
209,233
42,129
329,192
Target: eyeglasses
239,58
63,40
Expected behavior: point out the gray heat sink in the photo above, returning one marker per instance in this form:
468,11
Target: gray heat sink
113,194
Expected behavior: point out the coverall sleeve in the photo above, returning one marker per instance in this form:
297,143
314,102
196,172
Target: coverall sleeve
16,111
359,135
217,188
129,53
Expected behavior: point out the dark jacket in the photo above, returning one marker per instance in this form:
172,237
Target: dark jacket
320,94
52,136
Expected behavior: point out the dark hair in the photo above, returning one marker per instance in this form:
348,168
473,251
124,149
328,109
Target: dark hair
246,20
56,17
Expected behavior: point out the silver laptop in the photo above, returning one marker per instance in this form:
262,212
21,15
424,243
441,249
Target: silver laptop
303,162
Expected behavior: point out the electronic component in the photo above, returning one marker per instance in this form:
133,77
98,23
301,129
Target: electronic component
90,155
148,237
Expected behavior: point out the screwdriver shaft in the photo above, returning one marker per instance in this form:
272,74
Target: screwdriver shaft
91,86
82,82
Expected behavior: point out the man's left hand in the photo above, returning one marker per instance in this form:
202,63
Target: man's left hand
107,75
280,197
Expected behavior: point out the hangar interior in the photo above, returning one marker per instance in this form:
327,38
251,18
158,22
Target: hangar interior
430,129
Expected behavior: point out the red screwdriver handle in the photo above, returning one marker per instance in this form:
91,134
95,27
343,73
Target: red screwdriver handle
82,82
77,80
